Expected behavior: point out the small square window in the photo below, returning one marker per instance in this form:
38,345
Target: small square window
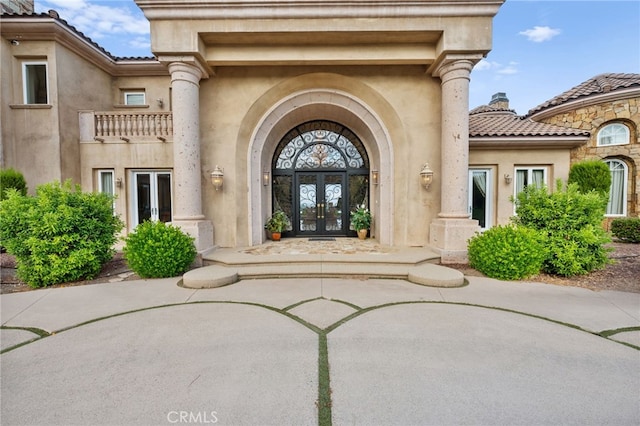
134,98
34,78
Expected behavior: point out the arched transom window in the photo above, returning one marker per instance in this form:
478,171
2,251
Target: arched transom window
613,134
320,145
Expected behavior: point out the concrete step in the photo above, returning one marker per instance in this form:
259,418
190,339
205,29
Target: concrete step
226,266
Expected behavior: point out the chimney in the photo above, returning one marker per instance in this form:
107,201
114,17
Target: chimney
499,101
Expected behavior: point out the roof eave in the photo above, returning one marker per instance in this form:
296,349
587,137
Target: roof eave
526,142
42,28
572,105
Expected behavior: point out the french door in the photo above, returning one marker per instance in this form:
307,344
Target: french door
480,196
319,204
151,196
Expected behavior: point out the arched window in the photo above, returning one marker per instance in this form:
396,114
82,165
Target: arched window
618,192
613,134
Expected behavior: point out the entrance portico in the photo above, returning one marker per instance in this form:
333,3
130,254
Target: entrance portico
394,74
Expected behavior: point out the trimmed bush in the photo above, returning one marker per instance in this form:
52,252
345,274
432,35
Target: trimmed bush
572,224
60,235
507,252
591,175
626,229
11,179
158,250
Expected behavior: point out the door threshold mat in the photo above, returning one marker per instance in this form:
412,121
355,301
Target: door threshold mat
322,239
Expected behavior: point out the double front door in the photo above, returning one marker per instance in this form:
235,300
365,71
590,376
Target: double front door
320,205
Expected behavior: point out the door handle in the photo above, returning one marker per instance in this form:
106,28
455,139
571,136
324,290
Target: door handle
322,208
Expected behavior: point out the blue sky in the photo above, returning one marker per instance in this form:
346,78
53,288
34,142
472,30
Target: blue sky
541,48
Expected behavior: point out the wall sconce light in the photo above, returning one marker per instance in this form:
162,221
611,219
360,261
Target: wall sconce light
507,178
160,102
15,43
426,175
374,177
119,182
266,178
217,178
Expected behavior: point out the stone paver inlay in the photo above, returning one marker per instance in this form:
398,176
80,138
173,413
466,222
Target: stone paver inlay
307,246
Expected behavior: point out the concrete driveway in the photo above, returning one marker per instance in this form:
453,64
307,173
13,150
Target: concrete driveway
320,351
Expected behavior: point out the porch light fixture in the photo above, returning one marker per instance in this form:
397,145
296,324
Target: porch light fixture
426,176
217,178
119,182
374,176
507,178
266,178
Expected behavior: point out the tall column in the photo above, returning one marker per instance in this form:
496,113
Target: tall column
450,232
187,195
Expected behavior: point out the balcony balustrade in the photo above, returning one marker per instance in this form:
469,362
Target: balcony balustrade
116,126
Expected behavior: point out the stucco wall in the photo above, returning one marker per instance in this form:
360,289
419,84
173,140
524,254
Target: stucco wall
87,90
503,162
29,129
405,100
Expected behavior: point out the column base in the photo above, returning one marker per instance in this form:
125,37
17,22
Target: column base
449,237
201,230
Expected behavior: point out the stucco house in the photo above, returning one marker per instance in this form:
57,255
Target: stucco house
311,107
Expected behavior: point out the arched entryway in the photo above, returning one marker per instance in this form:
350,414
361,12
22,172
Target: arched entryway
277,119
320,174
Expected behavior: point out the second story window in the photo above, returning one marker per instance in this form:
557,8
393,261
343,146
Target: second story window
613,134
134,98
34,78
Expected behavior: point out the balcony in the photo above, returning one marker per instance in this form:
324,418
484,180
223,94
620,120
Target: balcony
125,127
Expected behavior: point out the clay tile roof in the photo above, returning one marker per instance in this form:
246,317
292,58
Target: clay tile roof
599,84
53,14
486,121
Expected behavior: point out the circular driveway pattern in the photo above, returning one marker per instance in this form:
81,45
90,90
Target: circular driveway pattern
219,363
234,363
444,364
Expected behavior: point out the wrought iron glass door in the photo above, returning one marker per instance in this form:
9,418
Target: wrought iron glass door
320,173
319,204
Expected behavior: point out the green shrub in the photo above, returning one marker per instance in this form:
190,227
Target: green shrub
507,252
11,179
572,223
157,250
626,229
591,175
60,235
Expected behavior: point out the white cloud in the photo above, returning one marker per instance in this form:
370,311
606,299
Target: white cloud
98,21
485,65
509,69
140,43
497,67
539,34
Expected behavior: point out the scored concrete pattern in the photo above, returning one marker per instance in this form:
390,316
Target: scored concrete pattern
249,353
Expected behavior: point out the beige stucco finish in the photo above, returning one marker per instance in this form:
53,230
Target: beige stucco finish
237,76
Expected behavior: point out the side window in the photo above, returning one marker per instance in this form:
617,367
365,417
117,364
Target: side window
526,176
617,205
134,98
613,134
34,80
106,183
530,176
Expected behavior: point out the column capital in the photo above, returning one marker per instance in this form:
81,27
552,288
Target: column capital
454,66
189,67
